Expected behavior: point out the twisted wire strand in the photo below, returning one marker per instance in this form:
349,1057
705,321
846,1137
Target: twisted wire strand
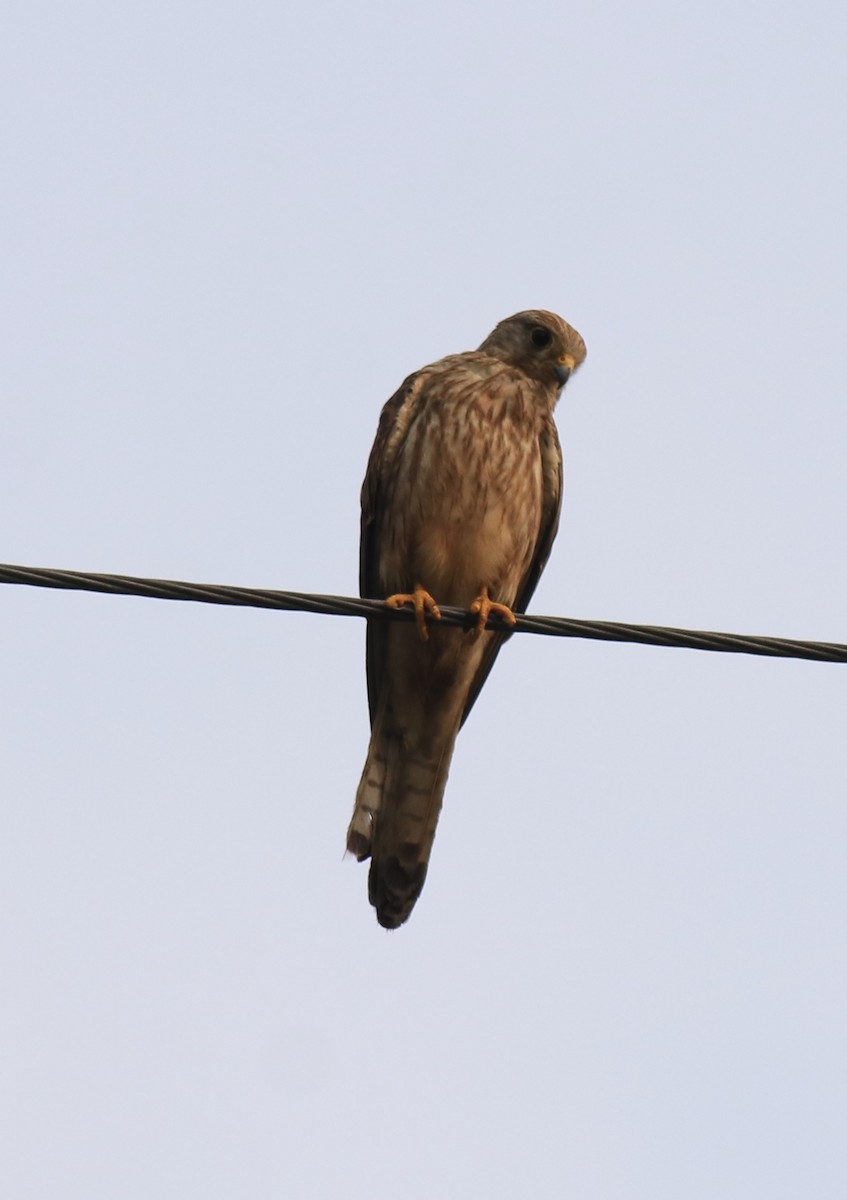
348,606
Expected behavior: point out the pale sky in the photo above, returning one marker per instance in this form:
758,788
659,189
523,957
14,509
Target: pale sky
227,234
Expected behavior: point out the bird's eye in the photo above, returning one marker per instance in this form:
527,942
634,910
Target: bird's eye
541,336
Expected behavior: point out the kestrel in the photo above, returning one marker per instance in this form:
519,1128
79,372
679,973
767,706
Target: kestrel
460,506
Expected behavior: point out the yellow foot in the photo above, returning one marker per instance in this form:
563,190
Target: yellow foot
422,603
482,607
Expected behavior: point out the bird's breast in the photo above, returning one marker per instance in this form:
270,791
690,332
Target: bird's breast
466,503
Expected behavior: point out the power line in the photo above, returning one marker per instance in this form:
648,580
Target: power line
347,606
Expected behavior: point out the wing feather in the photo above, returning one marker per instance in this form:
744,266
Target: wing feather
394,423
551,507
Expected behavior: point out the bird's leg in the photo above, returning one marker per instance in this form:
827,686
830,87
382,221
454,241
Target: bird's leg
422,603
482,608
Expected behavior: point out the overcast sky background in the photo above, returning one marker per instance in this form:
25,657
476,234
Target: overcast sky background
227,234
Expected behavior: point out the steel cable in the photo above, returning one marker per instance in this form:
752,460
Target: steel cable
348,606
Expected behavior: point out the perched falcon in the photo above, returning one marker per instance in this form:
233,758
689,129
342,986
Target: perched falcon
460,506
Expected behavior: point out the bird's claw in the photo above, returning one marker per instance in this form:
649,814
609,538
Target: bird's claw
483,607
422,603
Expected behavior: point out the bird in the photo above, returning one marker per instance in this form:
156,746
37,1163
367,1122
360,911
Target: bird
460,506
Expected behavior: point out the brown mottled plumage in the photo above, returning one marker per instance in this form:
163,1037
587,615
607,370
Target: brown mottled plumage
460,506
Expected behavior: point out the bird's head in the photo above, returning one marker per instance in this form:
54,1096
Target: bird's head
538,343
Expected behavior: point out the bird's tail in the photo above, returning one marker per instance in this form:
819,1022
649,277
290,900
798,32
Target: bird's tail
397,809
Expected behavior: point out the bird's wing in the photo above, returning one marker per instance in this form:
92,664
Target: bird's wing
551,506
395,421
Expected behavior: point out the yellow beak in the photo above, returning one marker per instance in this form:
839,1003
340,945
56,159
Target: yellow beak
564,365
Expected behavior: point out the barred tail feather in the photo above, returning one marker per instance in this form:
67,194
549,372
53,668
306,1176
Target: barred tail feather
368,802
394,821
